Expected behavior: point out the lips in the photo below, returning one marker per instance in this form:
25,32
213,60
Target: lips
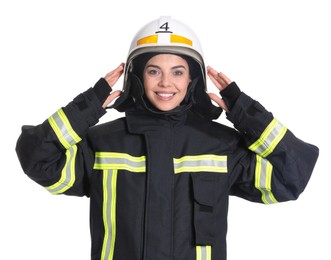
165,96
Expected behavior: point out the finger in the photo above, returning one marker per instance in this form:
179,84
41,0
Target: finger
212,71
215,81
219,101
218,78
113,76
218,75
117,70
111,98
224,78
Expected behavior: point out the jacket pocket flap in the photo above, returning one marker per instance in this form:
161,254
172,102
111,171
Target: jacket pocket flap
204,219
204,189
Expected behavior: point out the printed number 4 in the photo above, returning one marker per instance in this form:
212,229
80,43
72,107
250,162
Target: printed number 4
165,26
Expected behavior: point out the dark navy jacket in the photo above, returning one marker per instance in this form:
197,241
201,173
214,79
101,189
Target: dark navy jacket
159,184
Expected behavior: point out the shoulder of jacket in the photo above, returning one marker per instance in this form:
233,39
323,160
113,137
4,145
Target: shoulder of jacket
118,125
213,128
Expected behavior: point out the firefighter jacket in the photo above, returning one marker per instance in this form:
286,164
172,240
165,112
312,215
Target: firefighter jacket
159,184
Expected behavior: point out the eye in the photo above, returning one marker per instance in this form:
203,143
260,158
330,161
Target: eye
152,72
178,72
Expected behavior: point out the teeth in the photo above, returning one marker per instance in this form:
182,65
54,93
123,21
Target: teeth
165,95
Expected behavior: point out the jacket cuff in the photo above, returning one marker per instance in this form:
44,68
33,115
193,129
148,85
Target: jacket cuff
102,90
249,116
230,94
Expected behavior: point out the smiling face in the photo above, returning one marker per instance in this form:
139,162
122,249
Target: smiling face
166,79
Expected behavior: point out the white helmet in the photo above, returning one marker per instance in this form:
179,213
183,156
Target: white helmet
165,35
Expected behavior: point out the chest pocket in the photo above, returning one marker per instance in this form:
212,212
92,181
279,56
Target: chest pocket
205,173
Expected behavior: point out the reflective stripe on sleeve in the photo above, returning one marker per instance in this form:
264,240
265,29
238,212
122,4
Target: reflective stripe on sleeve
263,176
109,213
269,139
203,252
63,129
199,163
119,161
68,174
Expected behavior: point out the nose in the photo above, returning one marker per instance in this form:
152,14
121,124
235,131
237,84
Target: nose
165,81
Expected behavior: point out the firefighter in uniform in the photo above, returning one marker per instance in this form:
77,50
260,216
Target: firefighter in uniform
159,179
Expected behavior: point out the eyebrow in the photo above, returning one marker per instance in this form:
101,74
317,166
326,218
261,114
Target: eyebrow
158,67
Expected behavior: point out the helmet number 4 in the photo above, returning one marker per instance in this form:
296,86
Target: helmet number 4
164,28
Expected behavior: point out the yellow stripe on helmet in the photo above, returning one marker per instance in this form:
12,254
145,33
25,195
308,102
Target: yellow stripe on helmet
180,39
174,38
148,40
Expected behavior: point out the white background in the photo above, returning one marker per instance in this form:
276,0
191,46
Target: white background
278,52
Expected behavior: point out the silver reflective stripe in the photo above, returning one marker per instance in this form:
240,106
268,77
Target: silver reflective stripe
263,177
203,252
68,175
199,163
119,161
63,129
269,139
109,213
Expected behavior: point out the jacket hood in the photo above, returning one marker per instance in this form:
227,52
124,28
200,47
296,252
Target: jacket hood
196,98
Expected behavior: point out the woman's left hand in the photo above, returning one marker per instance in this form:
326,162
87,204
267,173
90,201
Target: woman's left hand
221,82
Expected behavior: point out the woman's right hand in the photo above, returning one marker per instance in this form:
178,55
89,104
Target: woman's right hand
111,78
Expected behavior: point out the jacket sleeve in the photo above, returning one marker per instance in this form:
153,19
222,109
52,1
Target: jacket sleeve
277,165
55,153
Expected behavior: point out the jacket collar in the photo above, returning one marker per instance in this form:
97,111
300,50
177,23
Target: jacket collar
141,121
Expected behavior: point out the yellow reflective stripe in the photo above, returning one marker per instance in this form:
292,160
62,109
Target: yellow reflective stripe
68,174
123,161
109,185
198,163
58,132
153,39
63,129
269,139
263,176
148,40
180,39
203,252
119,161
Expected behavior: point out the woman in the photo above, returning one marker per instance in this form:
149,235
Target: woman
159,178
